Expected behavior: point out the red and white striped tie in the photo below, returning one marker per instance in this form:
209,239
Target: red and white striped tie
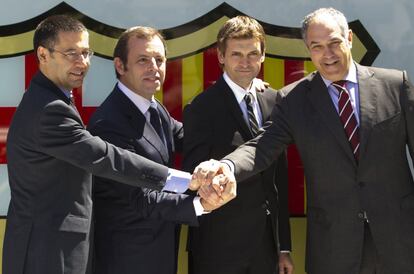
347,116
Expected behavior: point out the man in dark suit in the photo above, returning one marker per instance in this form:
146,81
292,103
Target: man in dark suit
51,159
241,237
136,228
360,191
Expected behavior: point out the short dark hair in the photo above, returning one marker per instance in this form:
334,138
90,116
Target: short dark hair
240,27
46,33
121,49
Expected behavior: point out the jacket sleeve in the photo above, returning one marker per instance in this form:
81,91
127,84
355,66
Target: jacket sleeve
147,203
60,133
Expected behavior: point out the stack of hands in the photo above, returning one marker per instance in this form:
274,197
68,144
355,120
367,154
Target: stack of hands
215,184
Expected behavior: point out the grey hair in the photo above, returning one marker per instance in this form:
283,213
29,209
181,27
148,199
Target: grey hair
335,15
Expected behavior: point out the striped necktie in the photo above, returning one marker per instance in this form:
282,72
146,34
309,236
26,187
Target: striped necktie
254,126
347,116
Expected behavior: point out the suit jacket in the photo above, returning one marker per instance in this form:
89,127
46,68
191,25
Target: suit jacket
51,159
214,126
135,228
338,188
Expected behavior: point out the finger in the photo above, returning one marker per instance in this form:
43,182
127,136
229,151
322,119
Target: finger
209,194
229,191
217,185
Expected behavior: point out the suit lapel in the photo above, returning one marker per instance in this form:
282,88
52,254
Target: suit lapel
367,105
264,108
137,119
234,108
319,97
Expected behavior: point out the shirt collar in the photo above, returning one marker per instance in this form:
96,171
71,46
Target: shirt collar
66,92
140,102
351,76
238,91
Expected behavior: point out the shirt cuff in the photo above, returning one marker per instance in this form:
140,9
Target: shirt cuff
229,163
177,181
285,251
198,207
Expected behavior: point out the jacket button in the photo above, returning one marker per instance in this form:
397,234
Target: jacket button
361,184
361,215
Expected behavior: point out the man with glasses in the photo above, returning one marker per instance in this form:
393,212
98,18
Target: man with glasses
51,159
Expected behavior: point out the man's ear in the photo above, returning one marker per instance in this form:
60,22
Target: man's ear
42,54
220,57
349,39
119,66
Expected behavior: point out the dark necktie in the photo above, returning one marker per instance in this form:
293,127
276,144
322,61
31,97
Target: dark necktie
156,122
347,116
254,126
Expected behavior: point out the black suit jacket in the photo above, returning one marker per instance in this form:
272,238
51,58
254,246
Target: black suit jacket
214,126
135,228
338,188
51,159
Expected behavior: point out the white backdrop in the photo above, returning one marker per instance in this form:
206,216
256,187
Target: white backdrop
390,22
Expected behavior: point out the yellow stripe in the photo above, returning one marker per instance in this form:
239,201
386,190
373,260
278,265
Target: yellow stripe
180,46
195,41
102,44
16,43
308,67
2,230
274,72
182,265
192,77
287,47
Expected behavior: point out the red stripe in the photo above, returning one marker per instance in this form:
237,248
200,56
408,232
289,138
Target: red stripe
294,70
30,68
86,113
260,75
6,115
211,67
172,89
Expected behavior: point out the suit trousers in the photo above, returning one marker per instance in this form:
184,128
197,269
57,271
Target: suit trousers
264,261
370,261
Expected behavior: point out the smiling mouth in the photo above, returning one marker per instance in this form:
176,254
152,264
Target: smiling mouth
78,74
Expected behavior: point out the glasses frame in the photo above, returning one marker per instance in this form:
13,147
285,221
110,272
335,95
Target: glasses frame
73,55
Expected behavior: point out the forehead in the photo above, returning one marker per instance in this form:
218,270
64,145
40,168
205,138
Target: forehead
73,39
323,28
243,44
151,46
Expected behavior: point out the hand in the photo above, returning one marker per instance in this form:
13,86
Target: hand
285,263
205,172
260,85
211,200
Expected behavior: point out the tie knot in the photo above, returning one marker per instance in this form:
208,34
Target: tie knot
248,98
339,85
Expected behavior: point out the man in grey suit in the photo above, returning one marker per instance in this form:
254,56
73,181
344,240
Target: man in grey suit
351,125
51,159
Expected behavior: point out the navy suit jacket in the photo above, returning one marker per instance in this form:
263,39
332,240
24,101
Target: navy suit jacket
135,228
50,161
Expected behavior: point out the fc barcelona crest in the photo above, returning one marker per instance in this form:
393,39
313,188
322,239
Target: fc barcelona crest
192,66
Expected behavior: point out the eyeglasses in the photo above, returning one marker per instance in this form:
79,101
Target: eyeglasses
73,55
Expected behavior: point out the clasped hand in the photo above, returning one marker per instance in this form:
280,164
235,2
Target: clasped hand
215,184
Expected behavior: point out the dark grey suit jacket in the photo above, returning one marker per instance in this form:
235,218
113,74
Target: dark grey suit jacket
214,126
135,228
338,188
51,159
